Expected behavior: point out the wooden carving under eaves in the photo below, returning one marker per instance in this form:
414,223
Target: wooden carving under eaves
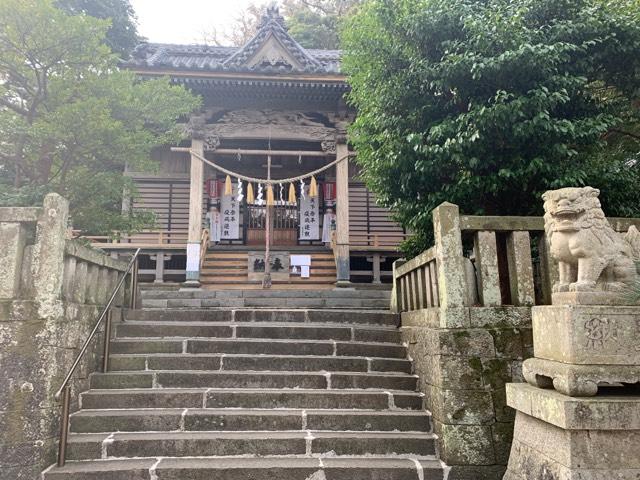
281,125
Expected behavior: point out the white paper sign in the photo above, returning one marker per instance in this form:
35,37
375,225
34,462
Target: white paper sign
328,226
215,225
309,217
193,257
230,213
300,260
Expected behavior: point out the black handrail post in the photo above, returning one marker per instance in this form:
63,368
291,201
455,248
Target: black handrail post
107,342
64,425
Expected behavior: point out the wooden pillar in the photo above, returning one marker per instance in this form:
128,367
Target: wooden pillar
195,215
342,214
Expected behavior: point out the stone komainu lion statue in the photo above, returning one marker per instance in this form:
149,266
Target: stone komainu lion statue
591,255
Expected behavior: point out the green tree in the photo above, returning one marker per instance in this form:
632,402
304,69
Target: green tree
70,120
315,23
122,35
489,103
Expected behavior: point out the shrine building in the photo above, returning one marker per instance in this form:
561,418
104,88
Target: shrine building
271,109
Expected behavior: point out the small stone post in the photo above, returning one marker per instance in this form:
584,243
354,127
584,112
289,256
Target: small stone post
12,238
47,265
396,291
452,284
486,254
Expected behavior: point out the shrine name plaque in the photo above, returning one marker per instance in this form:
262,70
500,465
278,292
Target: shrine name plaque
279,265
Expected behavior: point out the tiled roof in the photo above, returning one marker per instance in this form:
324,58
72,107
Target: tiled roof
204,58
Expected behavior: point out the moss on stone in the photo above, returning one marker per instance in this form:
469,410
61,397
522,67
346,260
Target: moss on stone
476,364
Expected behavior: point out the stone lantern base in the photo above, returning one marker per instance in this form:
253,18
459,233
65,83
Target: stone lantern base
558,437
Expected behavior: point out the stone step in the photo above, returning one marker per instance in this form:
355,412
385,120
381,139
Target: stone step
312,316
250,346
246,379
301,293
87,446
188,361
373,304
250,398
252,330
271,468
199,419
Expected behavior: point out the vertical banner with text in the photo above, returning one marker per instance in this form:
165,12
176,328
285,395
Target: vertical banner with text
230,213
309,217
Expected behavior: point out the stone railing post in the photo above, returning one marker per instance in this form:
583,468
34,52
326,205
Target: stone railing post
396,289
12,239
47,265
452,284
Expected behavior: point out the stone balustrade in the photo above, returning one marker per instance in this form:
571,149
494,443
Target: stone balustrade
51,292
466,305
505,262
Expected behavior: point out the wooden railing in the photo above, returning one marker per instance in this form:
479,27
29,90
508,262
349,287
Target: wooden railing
481,261
146,238
377,241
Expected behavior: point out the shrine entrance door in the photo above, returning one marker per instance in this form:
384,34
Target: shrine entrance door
284,227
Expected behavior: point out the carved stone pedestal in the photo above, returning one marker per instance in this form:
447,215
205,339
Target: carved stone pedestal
578,347
558,437
577,380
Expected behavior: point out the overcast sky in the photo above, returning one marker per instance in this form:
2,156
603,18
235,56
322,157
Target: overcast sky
186,21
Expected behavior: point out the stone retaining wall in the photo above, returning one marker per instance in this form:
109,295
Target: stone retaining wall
51,293
462,372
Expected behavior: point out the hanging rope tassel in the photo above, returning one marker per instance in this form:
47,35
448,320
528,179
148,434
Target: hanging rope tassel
250,197
292,193
228,188
313,188
270,198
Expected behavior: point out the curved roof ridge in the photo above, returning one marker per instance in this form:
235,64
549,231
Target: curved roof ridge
213,58
272,23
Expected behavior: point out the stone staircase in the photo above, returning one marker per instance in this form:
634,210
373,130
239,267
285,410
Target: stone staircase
305,298
248,394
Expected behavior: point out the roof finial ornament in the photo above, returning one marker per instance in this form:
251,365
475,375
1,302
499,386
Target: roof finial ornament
272,14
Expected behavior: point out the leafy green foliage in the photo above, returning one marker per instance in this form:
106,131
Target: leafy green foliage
489,103
70,120
315,23
122,35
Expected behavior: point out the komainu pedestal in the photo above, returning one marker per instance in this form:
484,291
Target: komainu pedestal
577,348
557,437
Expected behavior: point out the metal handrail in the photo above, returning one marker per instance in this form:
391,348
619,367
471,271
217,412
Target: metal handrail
65,389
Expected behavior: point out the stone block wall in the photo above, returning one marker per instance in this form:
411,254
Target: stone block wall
51,293
463,371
